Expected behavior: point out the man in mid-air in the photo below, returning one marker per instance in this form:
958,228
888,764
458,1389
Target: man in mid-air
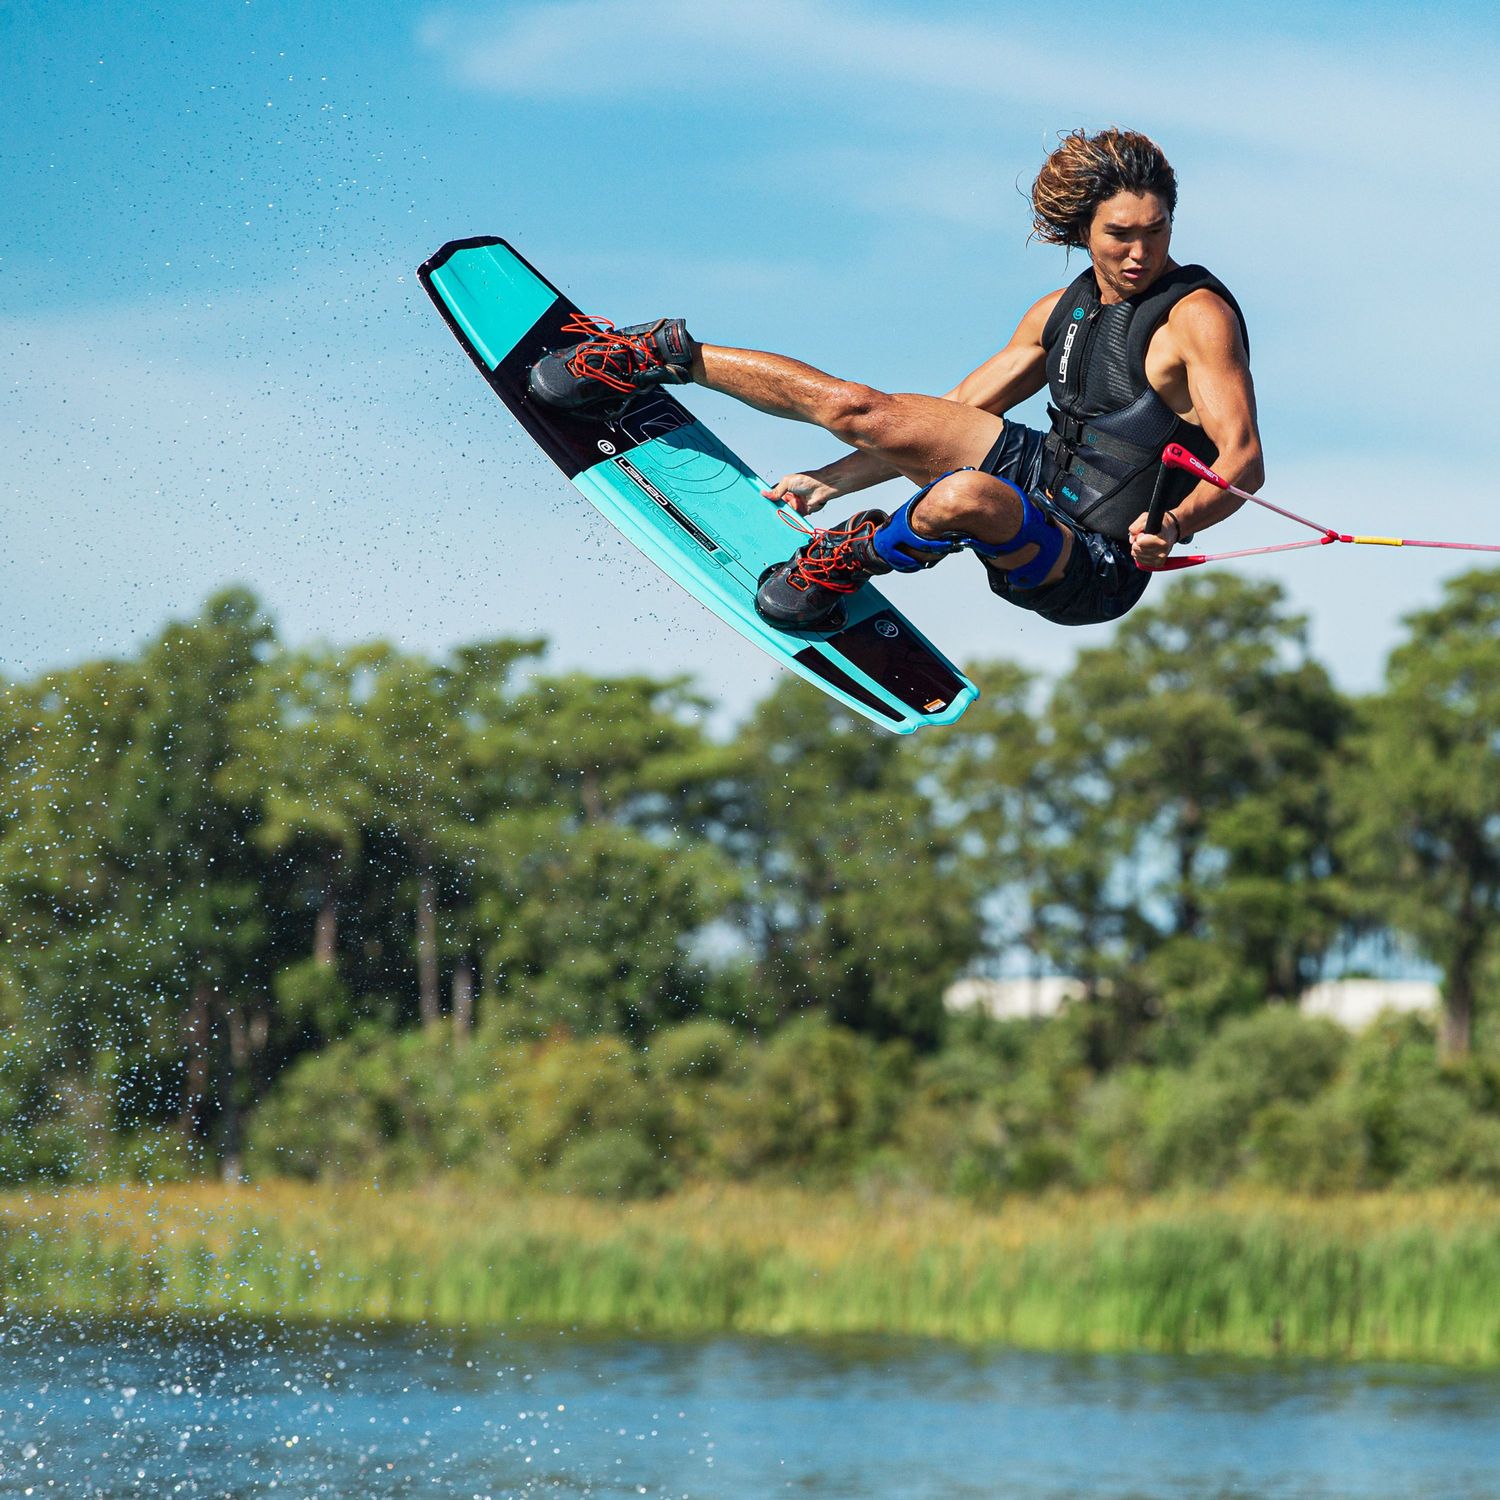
1137,352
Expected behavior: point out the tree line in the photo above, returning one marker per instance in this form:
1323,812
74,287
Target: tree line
224,853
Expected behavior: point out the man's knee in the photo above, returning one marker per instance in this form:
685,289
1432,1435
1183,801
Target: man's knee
971,502
859,415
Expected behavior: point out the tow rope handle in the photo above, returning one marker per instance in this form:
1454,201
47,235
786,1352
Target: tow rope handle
1157,510
1175,456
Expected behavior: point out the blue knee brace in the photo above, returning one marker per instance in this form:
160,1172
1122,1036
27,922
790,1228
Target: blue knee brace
1037,528
902,547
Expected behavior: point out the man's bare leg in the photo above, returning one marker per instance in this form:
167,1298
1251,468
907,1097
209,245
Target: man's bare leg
919,436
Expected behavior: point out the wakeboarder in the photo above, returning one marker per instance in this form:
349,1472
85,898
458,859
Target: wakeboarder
1136,353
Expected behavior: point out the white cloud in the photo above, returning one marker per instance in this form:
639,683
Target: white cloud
1378,103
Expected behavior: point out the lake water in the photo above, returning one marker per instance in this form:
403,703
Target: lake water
229,1410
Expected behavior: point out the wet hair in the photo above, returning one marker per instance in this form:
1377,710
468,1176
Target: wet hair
1084,171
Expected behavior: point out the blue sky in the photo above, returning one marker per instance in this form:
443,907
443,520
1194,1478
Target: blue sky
220,365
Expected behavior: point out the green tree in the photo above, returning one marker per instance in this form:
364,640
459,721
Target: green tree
195,875
629,750
427,730
1423,794
992,774
857,900
298,763
83,1003
591,874
591,925
1190,765
134,898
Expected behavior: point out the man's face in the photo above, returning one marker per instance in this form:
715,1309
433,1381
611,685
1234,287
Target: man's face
1128,242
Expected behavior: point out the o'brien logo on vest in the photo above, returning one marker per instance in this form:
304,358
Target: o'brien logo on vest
1062,368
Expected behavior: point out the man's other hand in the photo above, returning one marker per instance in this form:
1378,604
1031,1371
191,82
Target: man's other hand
805,493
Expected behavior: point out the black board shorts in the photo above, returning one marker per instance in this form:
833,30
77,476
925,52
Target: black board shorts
1101,581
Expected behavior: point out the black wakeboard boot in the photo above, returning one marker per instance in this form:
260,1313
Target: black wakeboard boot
613,364
807,591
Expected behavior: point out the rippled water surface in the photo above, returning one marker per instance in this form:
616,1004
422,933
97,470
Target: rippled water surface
230,1410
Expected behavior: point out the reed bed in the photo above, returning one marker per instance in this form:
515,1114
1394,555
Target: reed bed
1409,1277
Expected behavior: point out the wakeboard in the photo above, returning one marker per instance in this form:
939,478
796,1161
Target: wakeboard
676,491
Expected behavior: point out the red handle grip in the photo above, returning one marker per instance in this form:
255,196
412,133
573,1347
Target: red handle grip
1175,456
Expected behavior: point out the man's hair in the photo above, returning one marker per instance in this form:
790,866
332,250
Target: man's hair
1084,171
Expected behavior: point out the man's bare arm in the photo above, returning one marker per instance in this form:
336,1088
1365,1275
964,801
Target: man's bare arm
1019,370
1223,400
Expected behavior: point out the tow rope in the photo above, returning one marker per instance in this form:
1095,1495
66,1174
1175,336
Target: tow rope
1175,456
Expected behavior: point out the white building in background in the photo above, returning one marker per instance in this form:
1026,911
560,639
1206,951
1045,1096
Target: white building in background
1013,999
1356,1002
1353,1003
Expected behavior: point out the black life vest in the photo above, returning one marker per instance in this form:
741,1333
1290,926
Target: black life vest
1108,425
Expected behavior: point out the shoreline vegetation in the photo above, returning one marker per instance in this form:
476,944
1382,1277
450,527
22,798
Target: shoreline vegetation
241,879
642,1029
1385,1276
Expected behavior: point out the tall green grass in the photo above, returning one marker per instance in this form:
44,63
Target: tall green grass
1378,1277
